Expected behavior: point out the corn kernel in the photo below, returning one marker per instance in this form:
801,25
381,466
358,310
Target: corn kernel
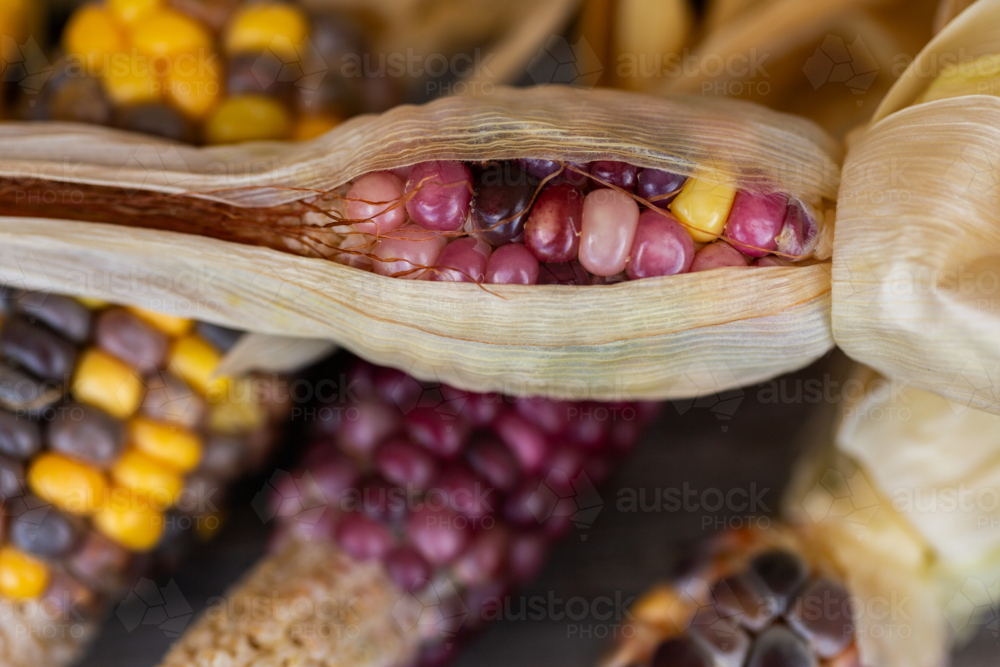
273,26
145,475
174,445
91,302
166,32
131,80
130,521
248,118
194,361
194,88
93,36
129,11
106,382
237,415
67,484
310,127
21,575
172,325
703,206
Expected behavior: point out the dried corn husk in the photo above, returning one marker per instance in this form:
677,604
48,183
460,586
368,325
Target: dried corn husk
659,338
917,255
504,36
829,60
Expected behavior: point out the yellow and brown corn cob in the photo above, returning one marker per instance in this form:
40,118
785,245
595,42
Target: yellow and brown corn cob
115,436
210,72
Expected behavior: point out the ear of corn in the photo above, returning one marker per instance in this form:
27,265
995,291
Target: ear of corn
106,433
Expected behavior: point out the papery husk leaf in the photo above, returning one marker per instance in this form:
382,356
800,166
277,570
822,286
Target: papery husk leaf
269,353
801,50
307,604
917,253
948,10
669,337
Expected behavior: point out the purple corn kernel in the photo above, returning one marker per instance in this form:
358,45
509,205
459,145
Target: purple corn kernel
567,273
662,247
502,203
798,234
659,187
755,222
443,195
552,232
619,174
512,264
363,538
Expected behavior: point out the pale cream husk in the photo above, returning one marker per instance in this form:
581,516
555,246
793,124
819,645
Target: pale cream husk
656,338
916,271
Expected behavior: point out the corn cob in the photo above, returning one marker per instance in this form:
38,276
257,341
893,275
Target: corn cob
114,438
754,598
218,72
543,222
430,496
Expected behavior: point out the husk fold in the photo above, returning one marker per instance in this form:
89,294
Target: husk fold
657,338
916,271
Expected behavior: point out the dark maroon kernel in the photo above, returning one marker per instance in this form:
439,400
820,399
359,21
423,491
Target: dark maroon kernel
161,120
48,533
528,443
20,392
380,500
619,174
439,432
86,433
552,232
822,615
527,556
740,596
100,563
493,460
257,74
568,273
502,203
363,538
168,398
438,535
408,569
779,647
374,422
720,637
659,187
573,173
123,335
530,505
484,558
680,652
62,313
782,574
70,600
20,438
401,462
551,416
220,337
40,351
465,493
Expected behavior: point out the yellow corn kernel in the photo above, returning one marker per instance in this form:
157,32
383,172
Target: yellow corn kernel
93,36
131,521
703,206
106,382
237,416
21,575
147,476
174,445
310,127
248,118
194,87
662,607
166,32
129,11
91,302
172,325
69,485
194,361
129,79
274,26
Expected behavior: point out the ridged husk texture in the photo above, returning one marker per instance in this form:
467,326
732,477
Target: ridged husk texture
916,279
656,338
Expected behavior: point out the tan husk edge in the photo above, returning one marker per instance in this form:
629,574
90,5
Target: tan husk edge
916,271
656,338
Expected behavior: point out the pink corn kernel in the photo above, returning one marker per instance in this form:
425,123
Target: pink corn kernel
463,261
755,222
662,247
376,197
443,197
406,250
716,256
610,218
512,264
551,232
